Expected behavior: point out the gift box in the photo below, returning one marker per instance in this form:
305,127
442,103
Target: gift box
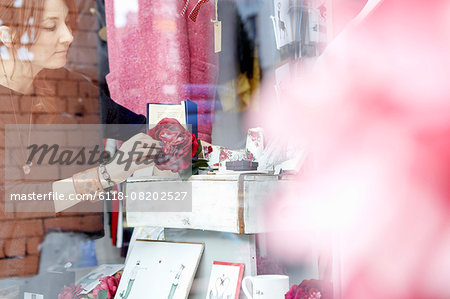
243,165
218,156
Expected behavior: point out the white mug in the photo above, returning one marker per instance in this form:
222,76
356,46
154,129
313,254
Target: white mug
266,286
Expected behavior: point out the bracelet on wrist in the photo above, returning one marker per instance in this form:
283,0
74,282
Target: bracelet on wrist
105,175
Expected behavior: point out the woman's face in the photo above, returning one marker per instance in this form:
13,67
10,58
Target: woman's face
50,48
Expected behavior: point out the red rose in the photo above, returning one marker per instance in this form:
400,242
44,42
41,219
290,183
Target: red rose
177,144
291,294
194,145
311,289
109,284
207,150
170,132
71,292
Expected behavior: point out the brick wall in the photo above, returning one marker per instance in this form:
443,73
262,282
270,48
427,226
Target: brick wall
21,233
82,56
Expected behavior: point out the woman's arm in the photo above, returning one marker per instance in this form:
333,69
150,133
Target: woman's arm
136,153
65,188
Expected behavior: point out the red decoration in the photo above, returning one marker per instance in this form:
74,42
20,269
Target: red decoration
194,145
177,144
109,284
71,292
311,289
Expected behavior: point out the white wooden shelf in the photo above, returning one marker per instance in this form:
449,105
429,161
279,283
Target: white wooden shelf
229,202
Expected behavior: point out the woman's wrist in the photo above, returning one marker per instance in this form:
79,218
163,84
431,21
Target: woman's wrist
105,178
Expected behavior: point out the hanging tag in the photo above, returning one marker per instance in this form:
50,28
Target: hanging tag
217,31
217,36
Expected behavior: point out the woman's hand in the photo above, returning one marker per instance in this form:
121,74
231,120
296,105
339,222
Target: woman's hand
137,152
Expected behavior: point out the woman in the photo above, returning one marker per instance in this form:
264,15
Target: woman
35,37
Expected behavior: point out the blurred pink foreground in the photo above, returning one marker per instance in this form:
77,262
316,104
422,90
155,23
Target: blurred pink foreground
375,114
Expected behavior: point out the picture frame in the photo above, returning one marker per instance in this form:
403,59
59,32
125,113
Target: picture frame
160,269
225,280
282,23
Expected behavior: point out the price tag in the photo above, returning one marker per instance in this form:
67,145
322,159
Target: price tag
217,36
217,31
